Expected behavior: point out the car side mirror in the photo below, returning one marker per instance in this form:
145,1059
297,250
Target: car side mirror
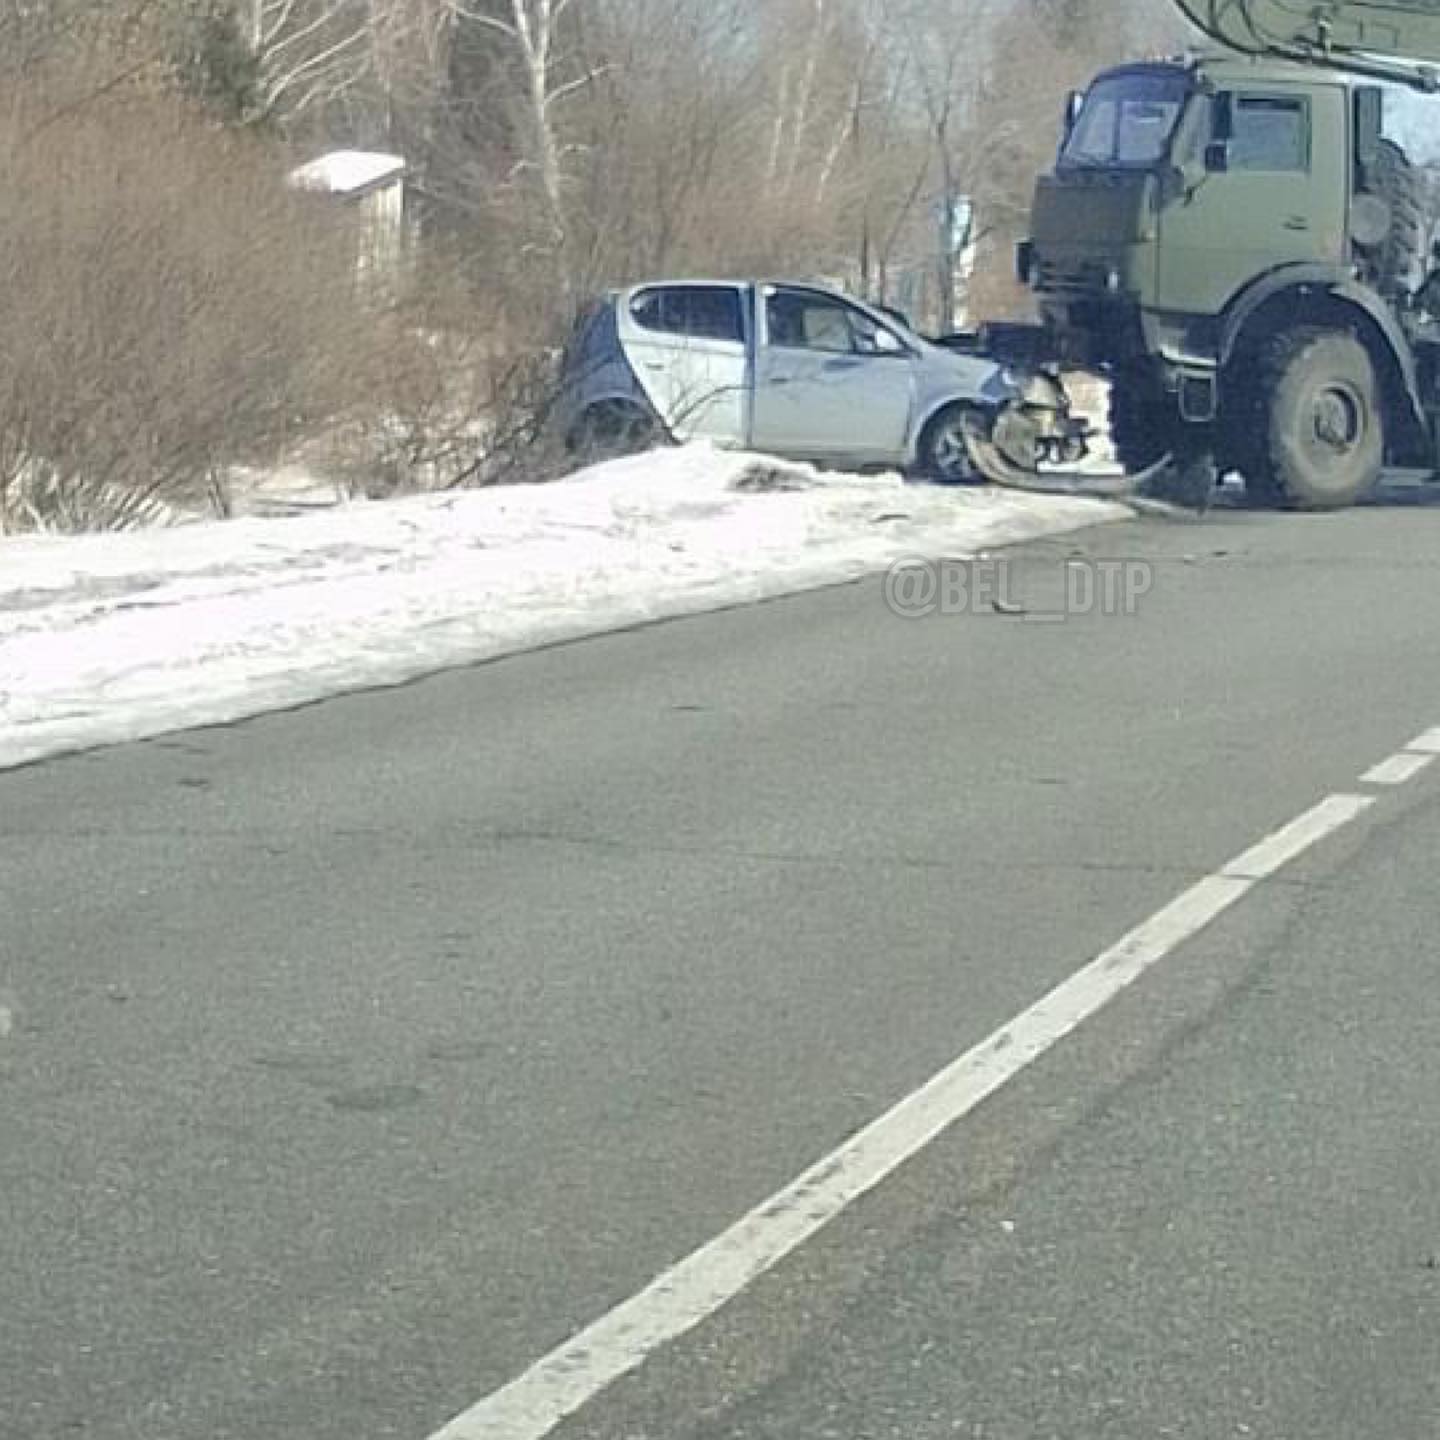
1217,152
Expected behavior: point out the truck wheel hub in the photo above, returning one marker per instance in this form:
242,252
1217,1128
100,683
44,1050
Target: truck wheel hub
1338,422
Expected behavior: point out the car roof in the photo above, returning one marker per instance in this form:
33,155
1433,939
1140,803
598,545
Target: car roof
713,282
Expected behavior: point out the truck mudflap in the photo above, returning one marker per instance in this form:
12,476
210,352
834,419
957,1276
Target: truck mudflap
1010,444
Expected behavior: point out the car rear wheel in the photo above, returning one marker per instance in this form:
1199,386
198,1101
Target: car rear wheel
611,429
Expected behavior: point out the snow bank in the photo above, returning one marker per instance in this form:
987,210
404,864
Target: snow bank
116,637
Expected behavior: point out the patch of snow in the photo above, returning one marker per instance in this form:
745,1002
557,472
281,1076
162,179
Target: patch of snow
285,490
110,638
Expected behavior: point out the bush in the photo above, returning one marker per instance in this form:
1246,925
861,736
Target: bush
168,309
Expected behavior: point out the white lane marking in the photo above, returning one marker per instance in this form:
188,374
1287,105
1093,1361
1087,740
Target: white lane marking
1397,769
1278,850
1426,744
558,1384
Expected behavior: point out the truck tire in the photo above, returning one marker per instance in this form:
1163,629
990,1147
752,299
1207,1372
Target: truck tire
1243,429
1398,262
1143,426
1324,439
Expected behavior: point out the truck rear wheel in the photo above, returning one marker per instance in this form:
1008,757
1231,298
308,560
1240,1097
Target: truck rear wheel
1324,438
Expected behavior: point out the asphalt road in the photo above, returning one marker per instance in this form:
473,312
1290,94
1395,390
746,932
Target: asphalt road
359,1056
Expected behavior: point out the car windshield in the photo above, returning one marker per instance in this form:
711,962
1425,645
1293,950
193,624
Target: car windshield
1126,120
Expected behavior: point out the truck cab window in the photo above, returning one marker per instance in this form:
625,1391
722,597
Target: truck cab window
1269,133
1126,121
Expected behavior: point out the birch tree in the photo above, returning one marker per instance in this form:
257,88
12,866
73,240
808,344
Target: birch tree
308,54
531,31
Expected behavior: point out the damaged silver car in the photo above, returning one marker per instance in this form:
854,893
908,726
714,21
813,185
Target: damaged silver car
806,373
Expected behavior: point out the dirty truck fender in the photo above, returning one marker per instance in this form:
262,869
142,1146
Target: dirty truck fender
1327,287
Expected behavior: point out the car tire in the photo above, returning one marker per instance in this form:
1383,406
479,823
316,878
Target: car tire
943,454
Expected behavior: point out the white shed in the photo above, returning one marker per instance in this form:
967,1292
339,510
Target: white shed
374,183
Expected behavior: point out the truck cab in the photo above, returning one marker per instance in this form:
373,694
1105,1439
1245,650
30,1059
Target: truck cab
1176,186
1204,212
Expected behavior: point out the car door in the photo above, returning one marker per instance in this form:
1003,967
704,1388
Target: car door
687,347
831,383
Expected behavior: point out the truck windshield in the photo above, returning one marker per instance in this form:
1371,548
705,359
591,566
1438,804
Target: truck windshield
1126,120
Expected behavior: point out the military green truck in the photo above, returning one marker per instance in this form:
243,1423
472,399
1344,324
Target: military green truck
1239,244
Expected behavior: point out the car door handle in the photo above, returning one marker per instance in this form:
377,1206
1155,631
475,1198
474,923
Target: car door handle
1296,222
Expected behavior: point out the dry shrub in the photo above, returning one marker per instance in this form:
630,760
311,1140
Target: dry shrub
168,309
462,392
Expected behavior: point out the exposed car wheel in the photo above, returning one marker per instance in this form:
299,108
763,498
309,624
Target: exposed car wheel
611,429
1324,435
944,450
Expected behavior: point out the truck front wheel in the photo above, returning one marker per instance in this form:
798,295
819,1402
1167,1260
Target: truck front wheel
1324,435
1144,429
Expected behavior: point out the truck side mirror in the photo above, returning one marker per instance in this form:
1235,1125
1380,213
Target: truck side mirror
1217,157
1222,117
1073,101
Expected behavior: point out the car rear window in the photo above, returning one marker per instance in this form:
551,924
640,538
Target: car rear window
703,312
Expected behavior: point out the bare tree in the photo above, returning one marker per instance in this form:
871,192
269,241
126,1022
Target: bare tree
308,53
531,29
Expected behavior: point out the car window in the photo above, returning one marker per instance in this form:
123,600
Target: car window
1269,133
703,312
804,321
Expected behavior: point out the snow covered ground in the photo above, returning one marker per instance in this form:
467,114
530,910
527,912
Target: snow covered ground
115,637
